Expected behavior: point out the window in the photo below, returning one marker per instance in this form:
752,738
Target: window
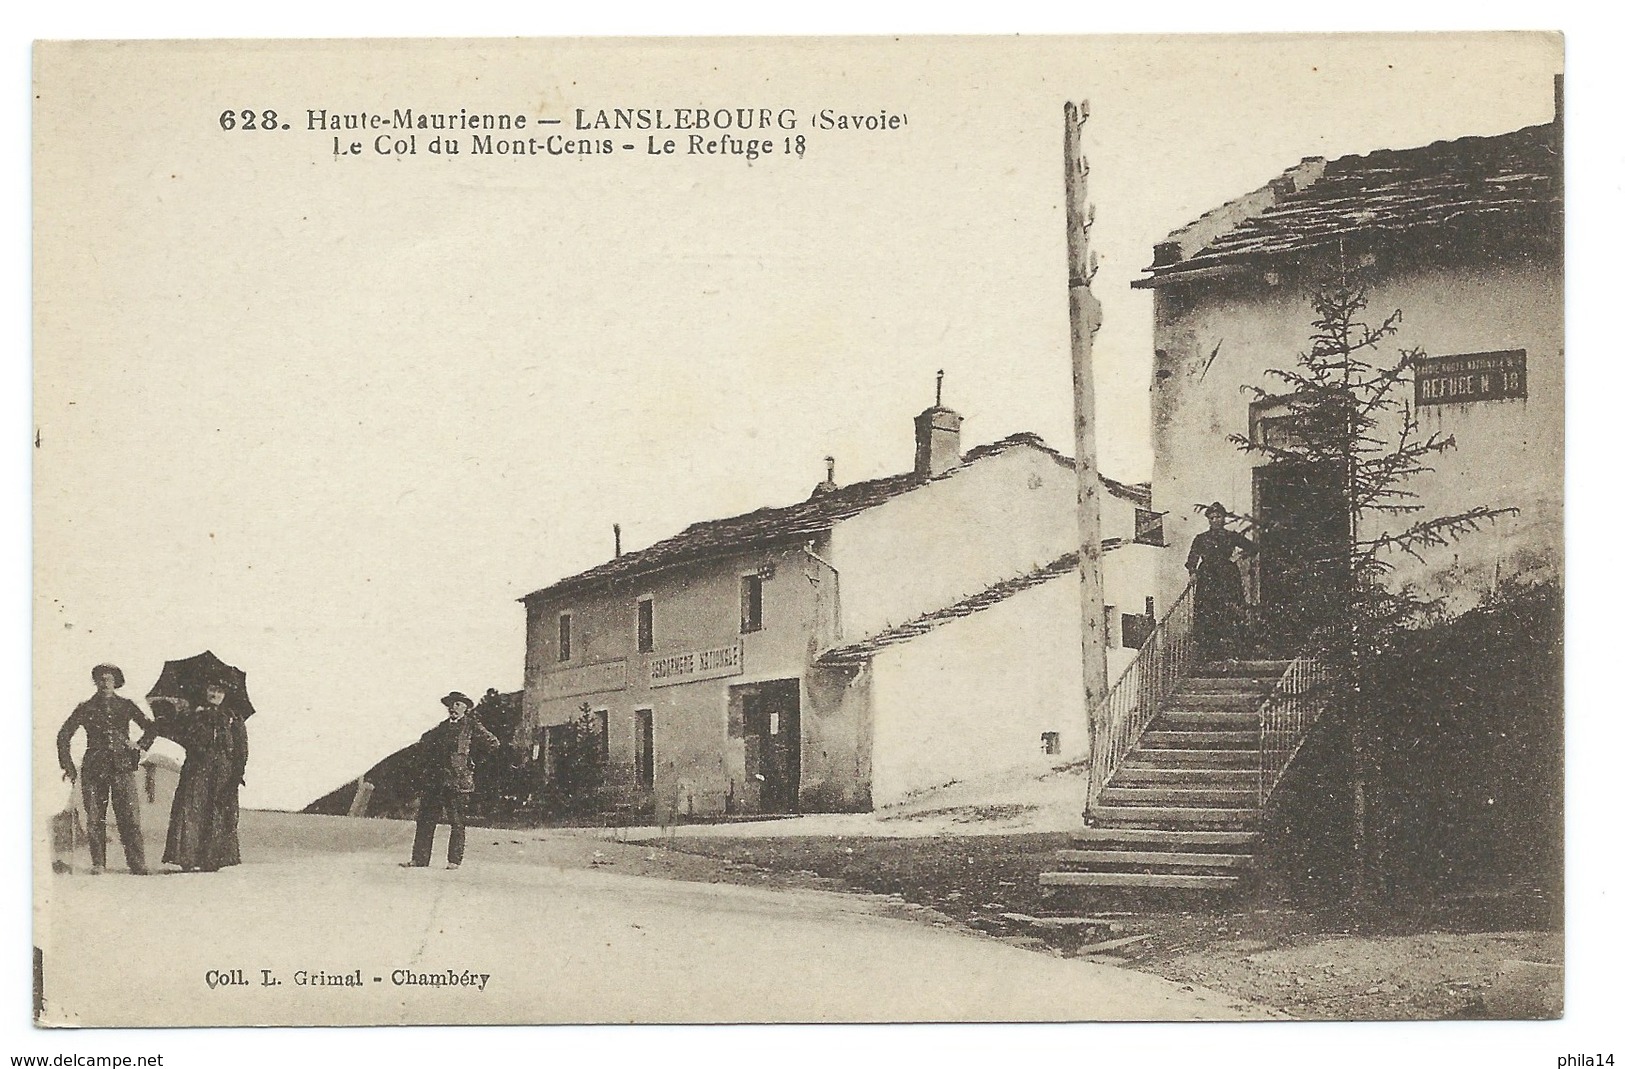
1148,527
1294,427
1051,741
644,754
564,636
1137,629
1274,423
646,625
750,603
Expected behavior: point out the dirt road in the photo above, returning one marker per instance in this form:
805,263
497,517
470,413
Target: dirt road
321,926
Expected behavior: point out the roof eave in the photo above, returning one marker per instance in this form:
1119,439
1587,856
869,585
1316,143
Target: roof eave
577,584
1192,274
572,587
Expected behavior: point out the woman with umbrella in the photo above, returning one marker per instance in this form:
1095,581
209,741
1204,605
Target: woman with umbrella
203,817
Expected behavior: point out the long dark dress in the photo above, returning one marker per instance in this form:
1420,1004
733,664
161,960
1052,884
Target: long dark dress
203,817
1218,600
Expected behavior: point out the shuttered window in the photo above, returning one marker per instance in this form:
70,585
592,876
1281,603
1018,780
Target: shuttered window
646,625
750,603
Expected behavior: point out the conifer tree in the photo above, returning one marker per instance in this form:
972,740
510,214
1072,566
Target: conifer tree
1345,419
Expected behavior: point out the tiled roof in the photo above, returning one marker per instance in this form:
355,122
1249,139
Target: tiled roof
772,526
1488,183
856,652
1066,564
1138,493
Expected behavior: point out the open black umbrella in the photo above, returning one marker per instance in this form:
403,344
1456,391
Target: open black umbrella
184,681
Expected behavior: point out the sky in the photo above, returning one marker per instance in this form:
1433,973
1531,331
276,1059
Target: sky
330,417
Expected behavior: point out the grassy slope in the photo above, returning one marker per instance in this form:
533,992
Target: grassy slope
1469,744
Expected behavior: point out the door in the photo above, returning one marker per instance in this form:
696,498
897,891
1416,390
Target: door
1303,528
772,728
644,751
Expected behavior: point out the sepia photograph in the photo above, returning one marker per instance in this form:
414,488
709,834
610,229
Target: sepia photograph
569,531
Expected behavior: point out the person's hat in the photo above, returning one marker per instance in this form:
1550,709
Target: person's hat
217,683
1216,508
456,696
118,674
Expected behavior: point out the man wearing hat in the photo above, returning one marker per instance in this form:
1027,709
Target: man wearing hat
108,770
446,755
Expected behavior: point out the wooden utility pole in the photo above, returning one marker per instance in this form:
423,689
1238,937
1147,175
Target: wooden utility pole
1085,310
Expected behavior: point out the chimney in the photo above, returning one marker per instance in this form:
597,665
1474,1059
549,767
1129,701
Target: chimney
828,485
936,437
617,540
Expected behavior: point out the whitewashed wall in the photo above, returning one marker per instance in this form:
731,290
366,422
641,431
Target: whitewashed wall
1508,452
974,696
1000,517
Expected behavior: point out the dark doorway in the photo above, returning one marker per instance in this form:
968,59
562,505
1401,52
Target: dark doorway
1303,526
644,752
771,719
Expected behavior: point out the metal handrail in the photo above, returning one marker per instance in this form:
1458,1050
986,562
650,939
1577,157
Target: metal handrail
1132,702
1284,720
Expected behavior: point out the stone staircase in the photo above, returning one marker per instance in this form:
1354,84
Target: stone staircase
1180,813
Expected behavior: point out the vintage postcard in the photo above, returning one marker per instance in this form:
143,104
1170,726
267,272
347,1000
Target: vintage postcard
798,530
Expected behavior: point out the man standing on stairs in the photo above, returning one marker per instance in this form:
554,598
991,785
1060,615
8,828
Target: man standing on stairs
1217,604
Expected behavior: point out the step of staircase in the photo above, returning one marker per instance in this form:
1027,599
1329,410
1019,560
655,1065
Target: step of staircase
1180,881
1182,840
1158,739
1245,702
1211,797
1174,817
1181,776
1162,860
1233,669
1260,685
1176,718
1204,758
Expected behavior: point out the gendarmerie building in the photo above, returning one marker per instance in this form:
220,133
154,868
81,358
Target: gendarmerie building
843,651
1464,238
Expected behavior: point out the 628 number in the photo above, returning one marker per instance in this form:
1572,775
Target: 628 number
248,120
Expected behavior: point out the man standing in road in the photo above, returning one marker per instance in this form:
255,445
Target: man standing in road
108,769
445,763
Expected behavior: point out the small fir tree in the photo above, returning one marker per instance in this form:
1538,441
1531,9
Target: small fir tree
577,783
1346,422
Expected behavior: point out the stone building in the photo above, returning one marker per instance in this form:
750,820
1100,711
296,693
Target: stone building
837,653
1464,237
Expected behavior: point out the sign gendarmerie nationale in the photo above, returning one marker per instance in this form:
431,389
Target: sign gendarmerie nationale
1448,380
701,664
